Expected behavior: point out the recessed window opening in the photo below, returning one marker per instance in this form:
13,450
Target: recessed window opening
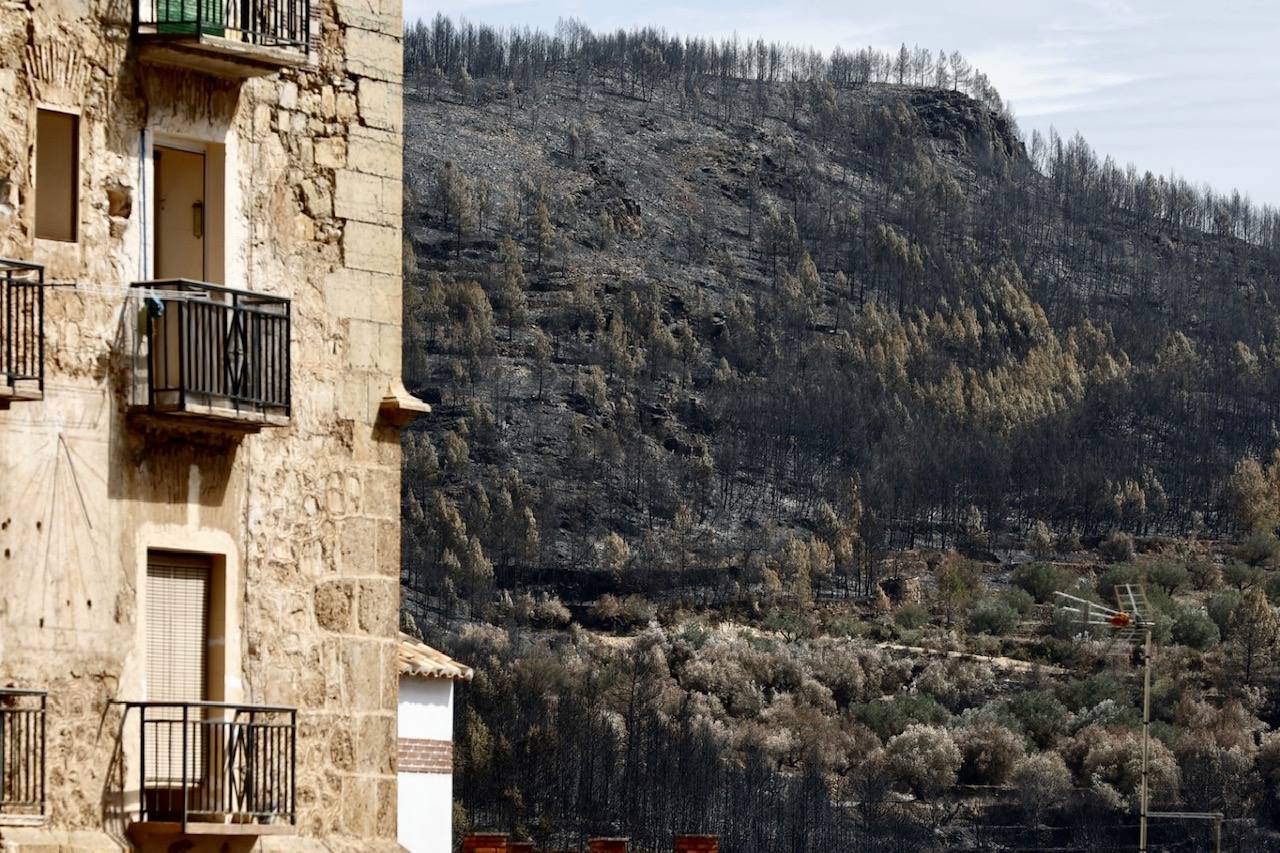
57,175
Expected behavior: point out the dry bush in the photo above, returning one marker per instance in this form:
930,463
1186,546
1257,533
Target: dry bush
1111,763
1042,781
924,759
989,752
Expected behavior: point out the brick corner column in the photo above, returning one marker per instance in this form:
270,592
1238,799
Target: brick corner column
609,845
485,842
697,844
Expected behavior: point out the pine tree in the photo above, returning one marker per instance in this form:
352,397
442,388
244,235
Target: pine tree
1253,630
511,284
456,201
544,233
540,350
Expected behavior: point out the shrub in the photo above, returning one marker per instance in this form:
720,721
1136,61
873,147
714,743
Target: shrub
1214,773
1107,713
957,684
1241,575
1113,761
790,623
1259,549
1168,575
989,752
1220,608
924,759
1019,599
1193,627
1268,768
993,616
1042,717
1115,576
1042,782
1041,580
550,612
1118,547
694,634
889,717
911,617
1085,693
1205,574
606,609
633,611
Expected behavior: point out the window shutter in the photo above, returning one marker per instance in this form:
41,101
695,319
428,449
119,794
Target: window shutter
177,627
177,641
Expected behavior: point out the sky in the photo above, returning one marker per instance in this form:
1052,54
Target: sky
1183,86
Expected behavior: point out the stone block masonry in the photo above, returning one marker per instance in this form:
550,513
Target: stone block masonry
303,519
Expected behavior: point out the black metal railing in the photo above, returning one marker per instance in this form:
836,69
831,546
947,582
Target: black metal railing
21,324
216,347
22,752
267,23
216,762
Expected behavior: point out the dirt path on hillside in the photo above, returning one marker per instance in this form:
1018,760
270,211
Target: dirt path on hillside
994,660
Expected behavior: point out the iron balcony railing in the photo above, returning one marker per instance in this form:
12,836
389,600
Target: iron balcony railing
266,23
215,348
22,753
216,762
21,326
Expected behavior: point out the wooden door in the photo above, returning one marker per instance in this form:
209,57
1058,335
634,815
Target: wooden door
180,214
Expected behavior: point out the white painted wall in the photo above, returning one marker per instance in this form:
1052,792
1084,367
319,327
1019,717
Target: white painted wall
425,812
426,708
425,800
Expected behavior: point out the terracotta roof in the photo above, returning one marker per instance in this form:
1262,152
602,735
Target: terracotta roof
419,659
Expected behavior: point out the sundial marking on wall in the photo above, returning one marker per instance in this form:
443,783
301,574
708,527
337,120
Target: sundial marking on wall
61,561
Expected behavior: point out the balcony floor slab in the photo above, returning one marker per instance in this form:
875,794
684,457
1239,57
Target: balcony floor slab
221,57
141,830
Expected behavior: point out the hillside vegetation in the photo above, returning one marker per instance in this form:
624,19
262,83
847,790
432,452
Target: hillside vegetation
760,377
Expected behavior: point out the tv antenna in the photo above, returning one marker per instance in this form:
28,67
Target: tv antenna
1131,624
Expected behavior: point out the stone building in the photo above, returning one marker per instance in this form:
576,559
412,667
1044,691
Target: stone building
200,407
425,734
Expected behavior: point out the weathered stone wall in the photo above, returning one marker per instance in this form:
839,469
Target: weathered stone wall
308,515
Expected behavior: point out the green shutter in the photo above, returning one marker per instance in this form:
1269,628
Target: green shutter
179,16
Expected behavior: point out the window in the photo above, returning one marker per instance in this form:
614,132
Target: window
57,175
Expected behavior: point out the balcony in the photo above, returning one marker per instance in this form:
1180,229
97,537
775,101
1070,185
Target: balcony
21,331
22,750
216,357
214,768
227,38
